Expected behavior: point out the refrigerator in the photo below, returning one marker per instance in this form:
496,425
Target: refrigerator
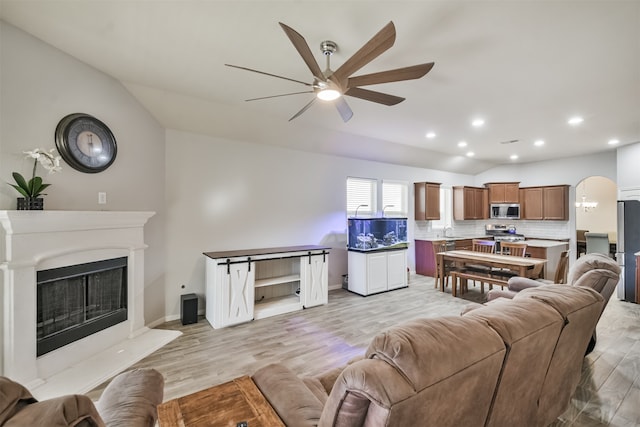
628,243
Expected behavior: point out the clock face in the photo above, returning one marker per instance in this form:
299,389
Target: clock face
85,143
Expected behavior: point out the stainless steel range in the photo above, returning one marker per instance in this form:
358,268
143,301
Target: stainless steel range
503,233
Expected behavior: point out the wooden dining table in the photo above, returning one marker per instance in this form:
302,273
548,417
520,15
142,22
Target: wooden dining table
521,266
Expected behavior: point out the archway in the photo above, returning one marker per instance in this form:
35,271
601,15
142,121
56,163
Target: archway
596,209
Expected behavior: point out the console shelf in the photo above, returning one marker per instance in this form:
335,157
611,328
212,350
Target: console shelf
258,283
277,280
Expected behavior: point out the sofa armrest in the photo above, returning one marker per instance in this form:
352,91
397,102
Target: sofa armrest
72,410
131,399
294,403
518,283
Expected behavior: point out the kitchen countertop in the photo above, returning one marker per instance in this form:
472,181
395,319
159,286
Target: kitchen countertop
544,243
432,239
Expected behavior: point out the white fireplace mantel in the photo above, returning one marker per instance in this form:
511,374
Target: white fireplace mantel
39,240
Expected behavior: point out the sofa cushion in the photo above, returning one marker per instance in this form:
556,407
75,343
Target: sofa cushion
593,261
401,347
581,308
530,330
414,371
132,398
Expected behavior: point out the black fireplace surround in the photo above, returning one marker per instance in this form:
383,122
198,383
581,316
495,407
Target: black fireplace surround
79,300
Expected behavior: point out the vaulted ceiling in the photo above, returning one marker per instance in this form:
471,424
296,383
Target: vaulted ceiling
524,67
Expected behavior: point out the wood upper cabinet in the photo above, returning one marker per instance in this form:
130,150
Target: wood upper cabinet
470,203
427,201
532,203
550,203
503,192
556,202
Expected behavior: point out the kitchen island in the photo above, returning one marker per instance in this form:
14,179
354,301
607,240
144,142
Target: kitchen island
549,250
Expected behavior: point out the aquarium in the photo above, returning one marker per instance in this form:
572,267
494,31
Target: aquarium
372,234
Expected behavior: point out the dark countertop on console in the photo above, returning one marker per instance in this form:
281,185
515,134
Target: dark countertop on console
264,251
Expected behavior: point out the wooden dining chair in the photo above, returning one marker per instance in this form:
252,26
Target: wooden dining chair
513,249
439,282
562,270
486,246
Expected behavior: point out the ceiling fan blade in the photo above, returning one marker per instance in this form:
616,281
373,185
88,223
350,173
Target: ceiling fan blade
399,74
379,43
305,108
369,95
268,74
303,49
344,109
277,96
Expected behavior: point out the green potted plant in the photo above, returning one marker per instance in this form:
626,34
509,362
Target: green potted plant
32,189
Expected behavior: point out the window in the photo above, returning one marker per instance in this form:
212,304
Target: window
446,209
394,198
361,196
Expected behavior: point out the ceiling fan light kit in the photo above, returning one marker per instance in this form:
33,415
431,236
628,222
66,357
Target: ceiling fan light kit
331,85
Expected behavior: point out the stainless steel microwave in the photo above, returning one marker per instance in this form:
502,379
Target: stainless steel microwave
505,211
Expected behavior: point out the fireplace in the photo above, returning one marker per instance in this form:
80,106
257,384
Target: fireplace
76,301
39,249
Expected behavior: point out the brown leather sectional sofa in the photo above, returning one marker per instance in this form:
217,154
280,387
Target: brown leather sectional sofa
514,362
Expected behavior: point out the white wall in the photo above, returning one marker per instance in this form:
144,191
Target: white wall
628,175
38,86
604,217
224,195
568,171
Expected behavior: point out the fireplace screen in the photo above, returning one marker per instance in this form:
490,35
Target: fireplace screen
77,301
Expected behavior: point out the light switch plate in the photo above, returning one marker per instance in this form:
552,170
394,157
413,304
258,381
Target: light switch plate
102,198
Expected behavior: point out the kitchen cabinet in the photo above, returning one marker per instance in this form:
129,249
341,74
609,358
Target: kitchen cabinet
427,201
253,284
470,203
545,203
503,192
375,272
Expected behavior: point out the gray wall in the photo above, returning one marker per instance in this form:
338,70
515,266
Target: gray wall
38,86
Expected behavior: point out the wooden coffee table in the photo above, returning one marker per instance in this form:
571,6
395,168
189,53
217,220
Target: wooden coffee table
226,405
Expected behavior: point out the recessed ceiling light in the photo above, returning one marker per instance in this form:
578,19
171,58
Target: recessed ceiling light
462,144
471,154
514,157
430,135
575,120
477,123
613,142
539,143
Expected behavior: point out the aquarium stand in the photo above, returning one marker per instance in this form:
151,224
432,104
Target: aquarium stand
372,272
249,284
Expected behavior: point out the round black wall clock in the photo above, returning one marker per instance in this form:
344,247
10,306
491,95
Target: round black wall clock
85,143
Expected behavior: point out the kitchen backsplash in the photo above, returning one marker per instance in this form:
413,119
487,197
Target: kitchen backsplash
531,229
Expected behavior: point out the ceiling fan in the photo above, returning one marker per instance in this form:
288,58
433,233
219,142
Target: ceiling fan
331,85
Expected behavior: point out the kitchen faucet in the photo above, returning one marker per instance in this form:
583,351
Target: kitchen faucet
385,207
446,229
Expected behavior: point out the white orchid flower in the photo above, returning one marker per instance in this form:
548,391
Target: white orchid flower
48,161
34,154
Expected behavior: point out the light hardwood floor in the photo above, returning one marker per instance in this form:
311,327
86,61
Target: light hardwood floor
317,339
